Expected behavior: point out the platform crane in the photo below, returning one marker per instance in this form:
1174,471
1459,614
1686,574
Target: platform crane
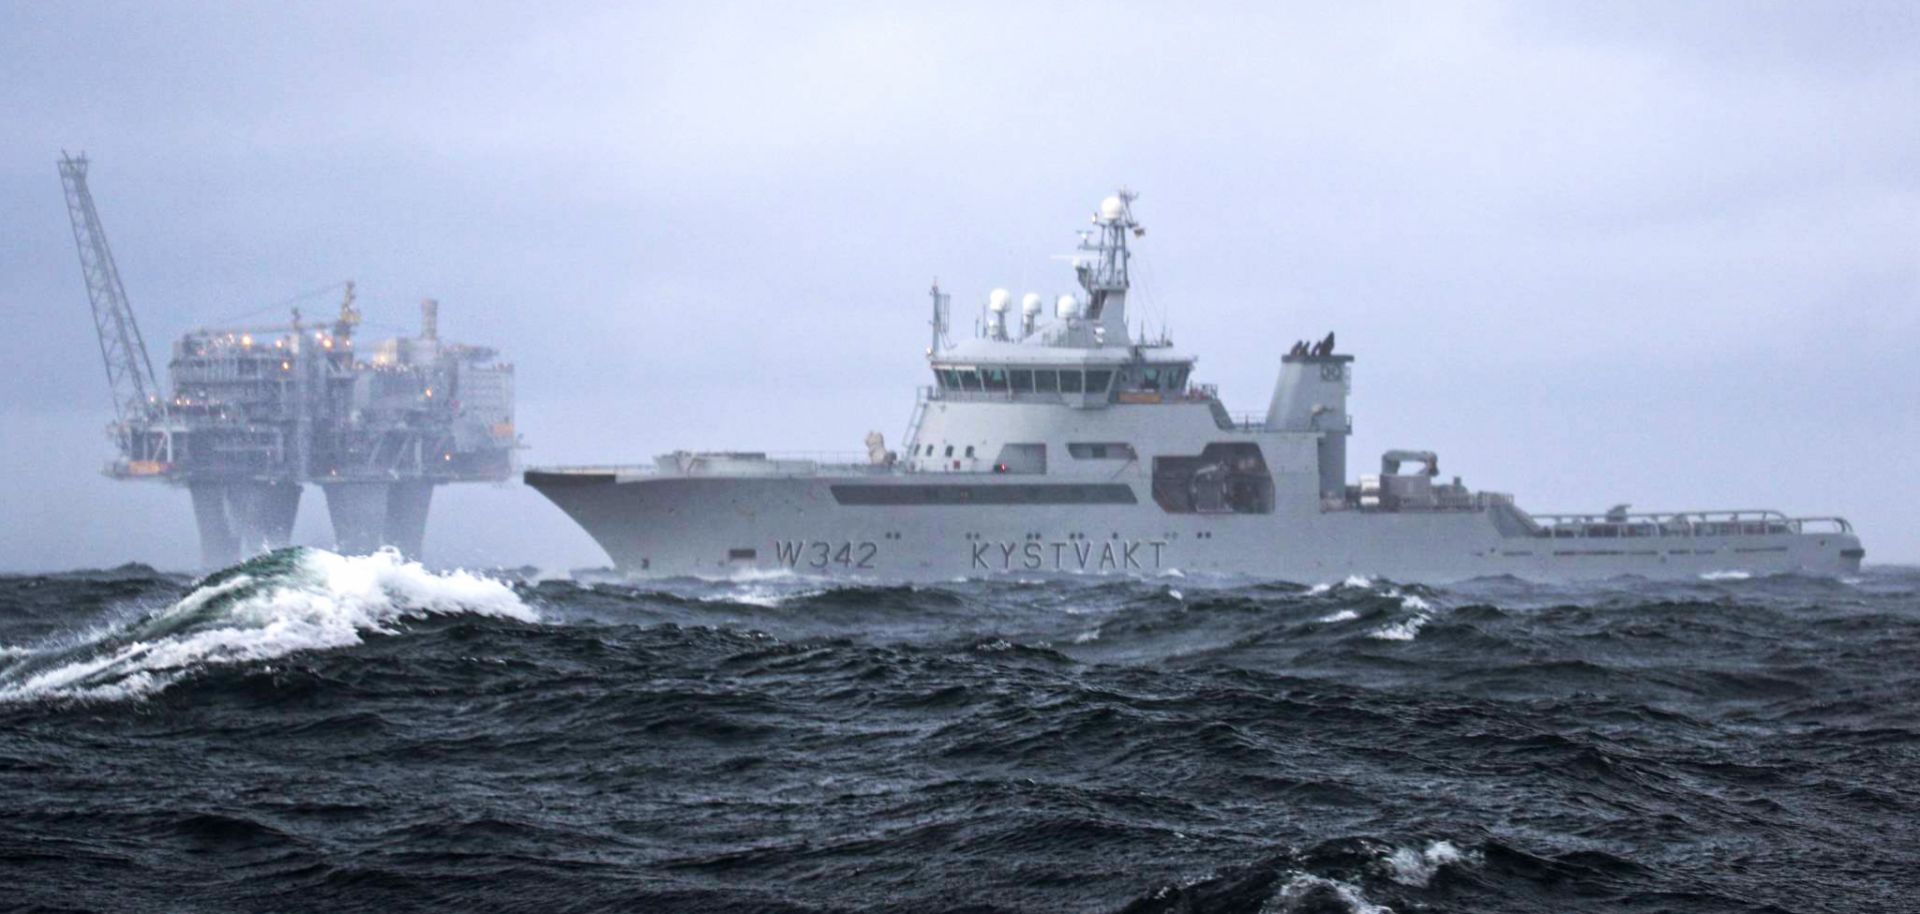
140,427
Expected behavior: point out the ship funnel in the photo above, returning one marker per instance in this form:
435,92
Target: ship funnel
1311,396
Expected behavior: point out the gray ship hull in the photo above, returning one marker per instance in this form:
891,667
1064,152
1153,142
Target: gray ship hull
835,526
1078,446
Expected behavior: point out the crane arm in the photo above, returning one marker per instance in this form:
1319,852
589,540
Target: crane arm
129,371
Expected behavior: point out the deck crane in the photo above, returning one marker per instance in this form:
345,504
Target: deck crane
140,424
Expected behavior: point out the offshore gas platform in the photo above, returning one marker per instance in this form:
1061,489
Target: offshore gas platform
252,414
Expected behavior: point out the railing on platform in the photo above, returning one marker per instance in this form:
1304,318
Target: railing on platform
1751,522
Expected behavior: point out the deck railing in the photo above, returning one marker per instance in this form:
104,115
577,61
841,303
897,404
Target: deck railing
1753,522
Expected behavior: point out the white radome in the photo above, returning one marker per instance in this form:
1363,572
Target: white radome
1112,209
998,300
1066,306
1031,303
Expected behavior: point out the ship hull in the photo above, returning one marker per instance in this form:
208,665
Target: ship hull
879,527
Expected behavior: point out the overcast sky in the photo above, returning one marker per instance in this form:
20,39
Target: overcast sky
1591,252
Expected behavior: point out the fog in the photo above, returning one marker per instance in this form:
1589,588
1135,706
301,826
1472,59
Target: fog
1590,253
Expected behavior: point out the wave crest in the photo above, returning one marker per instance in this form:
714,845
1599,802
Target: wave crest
266,607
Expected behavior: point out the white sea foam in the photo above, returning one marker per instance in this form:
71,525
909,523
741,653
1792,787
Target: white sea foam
1310,893
273,606
1409,601
1087,637
764,597
1408,866
1345,615
1726,575
1404,630
1353,582
1175,594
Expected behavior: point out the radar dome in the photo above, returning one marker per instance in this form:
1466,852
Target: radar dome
1066,307
1031,303
998,300
1112,209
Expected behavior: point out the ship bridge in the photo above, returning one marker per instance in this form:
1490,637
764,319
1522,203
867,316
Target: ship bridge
1082,354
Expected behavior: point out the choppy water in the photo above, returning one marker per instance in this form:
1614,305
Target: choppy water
314,732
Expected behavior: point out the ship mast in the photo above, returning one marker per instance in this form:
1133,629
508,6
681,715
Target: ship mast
1103,267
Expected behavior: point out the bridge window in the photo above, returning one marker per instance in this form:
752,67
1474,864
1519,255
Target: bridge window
948,379
994,378
1097,381
969,379
1046,381
1022,380
1069,382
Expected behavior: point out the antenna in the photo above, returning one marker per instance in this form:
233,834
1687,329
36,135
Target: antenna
941,302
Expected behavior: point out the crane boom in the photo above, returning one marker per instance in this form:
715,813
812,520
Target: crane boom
129,372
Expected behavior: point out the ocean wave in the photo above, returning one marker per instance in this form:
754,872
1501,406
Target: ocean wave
1404,630
267,607
1416,868
1308,892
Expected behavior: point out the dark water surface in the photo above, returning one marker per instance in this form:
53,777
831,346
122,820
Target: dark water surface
308,732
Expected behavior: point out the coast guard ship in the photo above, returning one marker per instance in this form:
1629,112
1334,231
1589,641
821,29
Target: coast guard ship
1057,443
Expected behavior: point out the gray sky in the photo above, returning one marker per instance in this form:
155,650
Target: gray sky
1590,252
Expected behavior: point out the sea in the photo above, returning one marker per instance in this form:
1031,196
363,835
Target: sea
313,732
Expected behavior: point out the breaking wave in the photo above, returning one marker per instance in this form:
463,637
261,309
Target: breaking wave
270,606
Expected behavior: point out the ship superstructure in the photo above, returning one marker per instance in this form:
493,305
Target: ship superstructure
252,414
1062,442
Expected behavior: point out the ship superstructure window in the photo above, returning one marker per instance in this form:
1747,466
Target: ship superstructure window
1170,378
1021,458
1004,379
984,495
1100,450
1227,478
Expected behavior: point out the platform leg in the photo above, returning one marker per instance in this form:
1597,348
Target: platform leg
262,514
406,526
359,514
218,546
